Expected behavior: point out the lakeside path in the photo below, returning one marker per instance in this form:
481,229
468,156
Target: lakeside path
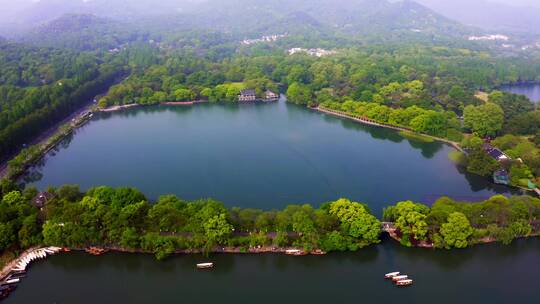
376,124
135,105
44,137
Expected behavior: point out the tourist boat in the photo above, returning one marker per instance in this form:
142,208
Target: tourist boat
400,277
205,265
95,250
318,252
18,272
391,274
295,252
12,281
405,282
16,276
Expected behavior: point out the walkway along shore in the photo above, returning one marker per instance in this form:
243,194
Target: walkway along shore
367,121
135,105
50,140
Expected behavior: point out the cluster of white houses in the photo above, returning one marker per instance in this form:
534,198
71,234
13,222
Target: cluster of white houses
249,95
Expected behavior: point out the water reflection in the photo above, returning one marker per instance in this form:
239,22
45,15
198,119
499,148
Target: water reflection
281,153
531,90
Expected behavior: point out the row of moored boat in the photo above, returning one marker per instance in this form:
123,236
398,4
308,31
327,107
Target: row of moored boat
8,284
399,279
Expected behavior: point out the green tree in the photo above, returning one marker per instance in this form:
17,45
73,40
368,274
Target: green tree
299,94
479,162
456,231
484,120
130,238
184,94
410,219
217,228
356,221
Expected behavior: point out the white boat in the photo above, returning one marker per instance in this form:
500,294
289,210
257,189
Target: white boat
295,252
405,282
400,277
205,265
391,275
13,281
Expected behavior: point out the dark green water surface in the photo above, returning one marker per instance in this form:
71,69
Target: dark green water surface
484,274
531,90
263,156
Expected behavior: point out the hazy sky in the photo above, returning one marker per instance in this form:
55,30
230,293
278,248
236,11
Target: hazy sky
519,2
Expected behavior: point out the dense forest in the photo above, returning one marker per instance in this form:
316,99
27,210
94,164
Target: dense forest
39,87
449,224
124,218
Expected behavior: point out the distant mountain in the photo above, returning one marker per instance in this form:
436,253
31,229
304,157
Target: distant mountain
377,19
78,31
26,14
489,14
347,16
71,23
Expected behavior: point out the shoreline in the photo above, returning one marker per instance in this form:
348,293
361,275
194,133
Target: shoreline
454,144
49,140
45,136
9,266
391,230
136,105
118,108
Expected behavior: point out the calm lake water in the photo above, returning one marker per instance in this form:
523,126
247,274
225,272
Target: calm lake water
484,274
530,90
263,156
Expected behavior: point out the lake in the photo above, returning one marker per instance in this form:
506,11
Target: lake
263,156
485,274
531,90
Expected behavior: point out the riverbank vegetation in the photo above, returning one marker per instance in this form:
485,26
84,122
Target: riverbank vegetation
439,124
452,224
124,219
47,87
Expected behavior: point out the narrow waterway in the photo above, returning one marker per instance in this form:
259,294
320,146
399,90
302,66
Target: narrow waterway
531,90
484,274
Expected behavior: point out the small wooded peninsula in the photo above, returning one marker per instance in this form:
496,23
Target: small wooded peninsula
123,219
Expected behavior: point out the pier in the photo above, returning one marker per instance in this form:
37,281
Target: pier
14,271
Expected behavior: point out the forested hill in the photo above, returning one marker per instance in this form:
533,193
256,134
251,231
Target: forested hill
353,19
348,16
71,23
78,31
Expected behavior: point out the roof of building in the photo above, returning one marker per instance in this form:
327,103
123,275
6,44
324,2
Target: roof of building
494,152
247,92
